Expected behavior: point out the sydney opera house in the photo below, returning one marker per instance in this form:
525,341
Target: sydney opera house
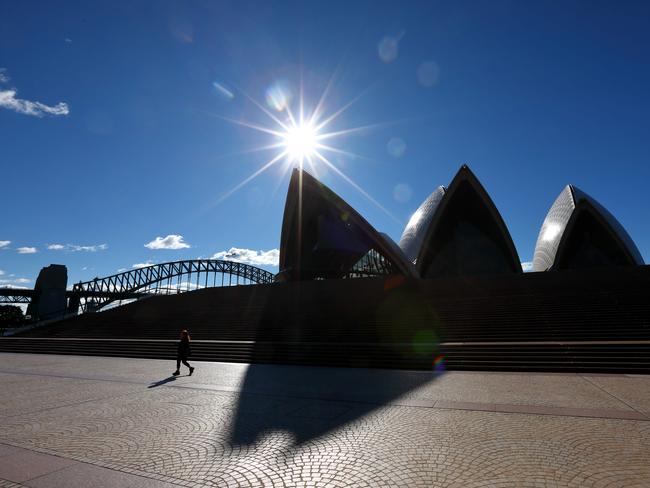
457,231
451,293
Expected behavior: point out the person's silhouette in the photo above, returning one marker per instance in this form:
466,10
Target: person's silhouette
183,353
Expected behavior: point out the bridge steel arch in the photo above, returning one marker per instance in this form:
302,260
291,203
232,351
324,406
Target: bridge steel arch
162,279
10,295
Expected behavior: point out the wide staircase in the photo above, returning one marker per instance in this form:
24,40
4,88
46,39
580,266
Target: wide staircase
591,320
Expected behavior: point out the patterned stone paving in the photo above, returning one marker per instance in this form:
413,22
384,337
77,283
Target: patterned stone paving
634,390
232,425
10,484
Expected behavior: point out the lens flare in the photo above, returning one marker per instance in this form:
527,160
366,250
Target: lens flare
396,147
428,74
439,364
278,96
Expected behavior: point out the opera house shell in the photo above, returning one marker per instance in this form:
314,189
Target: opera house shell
578,232
458,231
323,238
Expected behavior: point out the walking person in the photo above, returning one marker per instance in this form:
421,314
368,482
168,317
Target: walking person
183,353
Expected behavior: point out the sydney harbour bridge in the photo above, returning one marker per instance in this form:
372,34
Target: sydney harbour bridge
51,298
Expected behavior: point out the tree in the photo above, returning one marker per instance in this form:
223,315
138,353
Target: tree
11,315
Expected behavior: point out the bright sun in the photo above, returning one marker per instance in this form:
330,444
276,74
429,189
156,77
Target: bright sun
301,139
301,142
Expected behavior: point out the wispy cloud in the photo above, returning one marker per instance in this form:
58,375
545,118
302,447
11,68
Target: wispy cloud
250,256
172,241
14,281
14,287
10,281
142,265
27,250
4,244
77,248
527,266
9,101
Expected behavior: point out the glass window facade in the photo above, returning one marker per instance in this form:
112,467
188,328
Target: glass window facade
372,264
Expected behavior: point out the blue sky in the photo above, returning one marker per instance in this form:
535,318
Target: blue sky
115,118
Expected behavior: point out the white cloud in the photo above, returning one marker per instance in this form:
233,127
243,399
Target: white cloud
527,266
95,248
172,241
186,285
142,265
14,287
4,244
10,282
26,250
14,281
121,270
9,101
77,248
250,256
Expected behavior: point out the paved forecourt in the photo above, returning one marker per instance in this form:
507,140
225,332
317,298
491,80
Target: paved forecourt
112,422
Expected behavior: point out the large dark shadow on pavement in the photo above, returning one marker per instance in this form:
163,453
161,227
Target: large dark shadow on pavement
356,325
311,401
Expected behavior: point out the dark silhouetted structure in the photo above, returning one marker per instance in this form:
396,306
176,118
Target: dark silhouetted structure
324,238
49,300
452,293
459,232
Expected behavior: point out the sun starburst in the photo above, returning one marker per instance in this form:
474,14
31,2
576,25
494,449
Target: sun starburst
299,139
301,142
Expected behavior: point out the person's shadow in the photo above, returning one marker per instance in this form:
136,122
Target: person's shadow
162,382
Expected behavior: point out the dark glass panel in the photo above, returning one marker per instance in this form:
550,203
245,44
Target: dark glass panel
467,240
591,245
373,263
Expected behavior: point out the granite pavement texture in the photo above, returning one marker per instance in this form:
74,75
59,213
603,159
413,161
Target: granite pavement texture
113,422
